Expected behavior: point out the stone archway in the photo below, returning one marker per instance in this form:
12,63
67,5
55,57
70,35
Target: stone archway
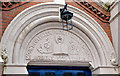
37,32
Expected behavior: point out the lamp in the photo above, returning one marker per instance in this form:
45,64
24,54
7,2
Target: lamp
66,17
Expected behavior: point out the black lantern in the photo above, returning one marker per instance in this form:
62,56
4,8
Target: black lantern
66,17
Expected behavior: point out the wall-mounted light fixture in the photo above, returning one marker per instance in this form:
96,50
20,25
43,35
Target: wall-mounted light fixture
66,17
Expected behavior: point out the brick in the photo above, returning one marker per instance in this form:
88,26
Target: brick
7,16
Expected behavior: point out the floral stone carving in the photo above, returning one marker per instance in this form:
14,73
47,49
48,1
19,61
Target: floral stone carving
4,56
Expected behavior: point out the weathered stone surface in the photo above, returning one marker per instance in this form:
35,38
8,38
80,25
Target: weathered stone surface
57,45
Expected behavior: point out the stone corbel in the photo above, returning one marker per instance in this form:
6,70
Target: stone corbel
15,70
103,70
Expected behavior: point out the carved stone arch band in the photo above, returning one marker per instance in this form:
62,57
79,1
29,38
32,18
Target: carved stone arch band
22,35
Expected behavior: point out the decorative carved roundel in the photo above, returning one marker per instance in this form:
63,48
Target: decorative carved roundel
57,45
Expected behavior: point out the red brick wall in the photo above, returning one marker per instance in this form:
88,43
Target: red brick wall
7,16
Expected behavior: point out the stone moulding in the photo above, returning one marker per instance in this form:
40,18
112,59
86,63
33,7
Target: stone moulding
44,16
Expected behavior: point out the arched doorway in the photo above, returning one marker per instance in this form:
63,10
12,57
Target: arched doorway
36,35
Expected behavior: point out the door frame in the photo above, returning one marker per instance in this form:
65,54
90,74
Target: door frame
59,69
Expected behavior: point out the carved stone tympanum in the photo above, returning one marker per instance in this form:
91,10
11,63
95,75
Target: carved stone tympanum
57,45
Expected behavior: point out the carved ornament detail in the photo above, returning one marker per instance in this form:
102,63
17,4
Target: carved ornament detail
57,45
6,6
